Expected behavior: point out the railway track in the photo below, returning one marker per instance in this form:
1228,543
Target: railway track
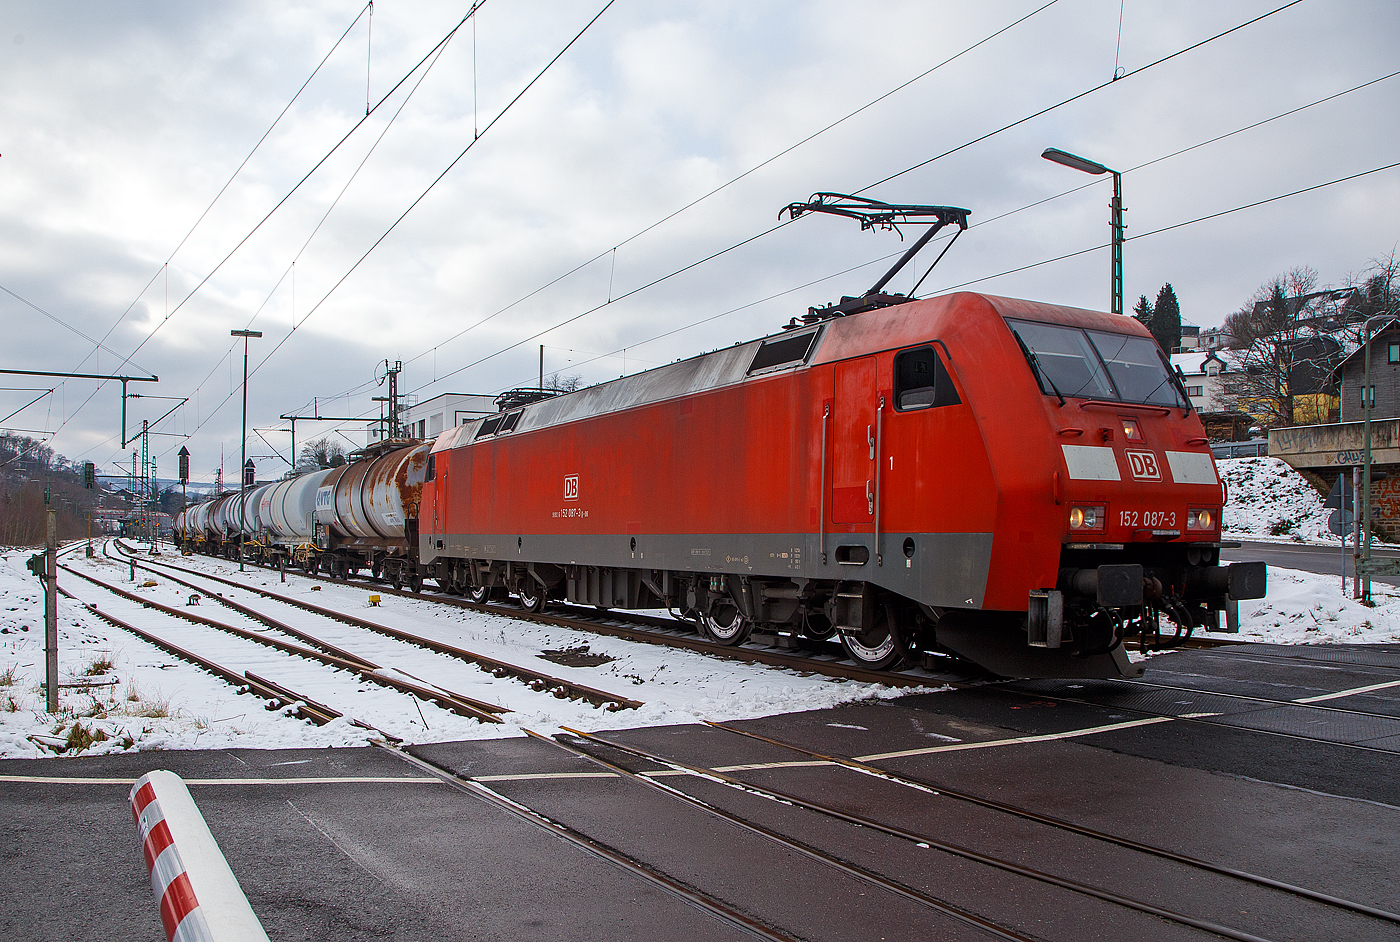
668,776
560,687
673,633
334,658
930,786
1218,708
860,821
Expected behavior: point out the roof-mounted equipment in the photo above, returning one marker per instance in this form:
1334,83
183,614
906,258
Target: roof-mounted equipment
874,214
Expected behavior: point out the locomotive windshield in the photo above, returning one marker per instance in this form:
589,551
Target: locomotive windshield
1096,364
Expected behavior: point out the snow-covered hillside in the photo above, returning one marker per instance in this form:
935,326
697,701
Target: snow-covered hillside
1269,500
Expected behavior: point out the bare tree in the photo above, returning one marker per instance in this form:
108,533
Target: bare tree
1286,344
563,384
319,454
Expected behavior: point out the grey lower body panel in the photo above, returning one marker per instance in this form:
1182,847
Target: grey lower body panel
946,570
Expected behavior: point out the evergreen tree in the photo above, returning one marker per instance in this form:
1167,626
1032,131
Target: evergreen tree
1166,319
1143,311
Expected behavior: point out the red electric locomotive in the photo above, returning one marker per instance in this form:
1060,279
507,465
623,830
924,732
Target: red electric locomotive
1018,483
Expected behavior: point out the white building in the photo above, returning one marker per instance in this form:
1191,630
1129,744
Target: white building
431,417
1203,372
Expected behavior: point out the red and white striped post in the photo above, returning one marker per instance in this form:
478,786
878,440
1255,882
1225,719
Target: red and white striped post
199,897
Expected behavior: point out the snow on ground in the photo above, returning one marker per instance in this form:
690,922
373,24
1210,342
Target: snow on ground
136,697
141,698
1269,500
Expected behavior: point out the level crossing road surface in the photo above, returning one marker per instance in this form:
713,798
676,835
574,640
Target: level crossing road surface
1325,560
1276,761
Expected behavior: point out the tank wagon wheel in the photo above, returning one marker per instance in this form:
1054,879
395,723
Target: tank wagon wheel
725,623
876,648
532,599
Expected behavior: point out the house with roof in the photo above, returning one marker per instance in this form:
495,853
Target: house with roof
1203,373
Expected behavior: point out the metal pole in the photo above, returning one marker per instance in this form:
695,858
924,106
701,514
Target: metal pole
243,461
1117,207
1368,401
1342,511
242,464
1356,532
51,614
542,366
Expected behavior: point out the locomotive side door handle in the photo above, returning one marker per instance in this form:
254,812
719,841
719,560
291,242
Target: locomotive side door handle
870,440
869,498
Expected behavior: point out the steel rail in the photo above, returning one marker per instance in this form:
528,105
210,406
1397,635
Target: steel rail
850,869
281,698
1213,720
710,904
808,664
956,850
1270,701
1069,826
462,706
537,680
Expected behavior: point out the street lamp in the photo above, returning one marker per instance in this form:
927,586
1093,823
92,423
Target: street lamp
1116,207
1368,402
243,462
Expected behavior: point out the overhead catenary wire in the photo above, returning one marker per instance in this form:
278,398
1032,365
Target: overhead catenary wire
733,180
770,230
428,189
1137,71
1001,216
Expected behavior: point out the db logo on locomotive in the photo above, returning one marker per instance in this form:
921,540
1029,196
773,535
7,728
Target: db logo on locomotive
1143,465
571,487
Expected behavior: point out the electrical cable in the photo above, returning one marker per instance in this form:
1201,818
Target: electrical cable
755,168
425,192
1179,225
290,193
1074,98
171,313
923,163
97,344
329,209
236,172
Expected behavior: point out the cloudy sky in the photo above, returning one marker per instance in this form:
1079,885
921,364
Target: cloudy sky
120,124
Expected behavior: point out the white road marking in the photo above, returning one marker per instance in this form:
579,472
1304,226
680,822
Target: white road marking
1019,740
532,776
1348,693
348,780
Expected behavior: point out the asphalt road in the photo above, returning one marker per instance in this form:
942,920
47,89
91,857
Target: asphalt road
1309,558
1272,760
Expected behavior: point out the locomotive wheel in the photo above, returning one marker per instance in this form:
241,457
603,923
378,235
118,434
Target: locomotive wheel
724,623
876,648
415,581
480,594
532,599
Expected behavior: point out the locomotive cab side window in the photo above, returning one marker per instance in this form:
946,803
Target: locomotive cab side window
921,381
431,473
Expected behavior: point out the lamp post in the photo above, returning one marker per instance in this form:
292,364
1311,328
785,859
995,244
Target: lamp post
1368,402
1116,208
243,463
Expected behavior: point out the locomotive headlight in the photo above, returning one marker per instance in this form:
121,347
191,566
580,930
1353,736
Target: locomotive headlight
1199,520
1086,518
